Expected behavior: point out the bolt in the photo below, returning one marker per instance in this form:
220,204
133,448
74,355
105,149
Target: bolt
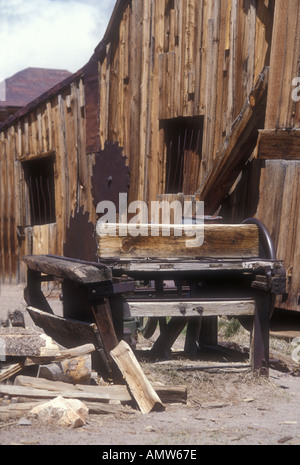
182,310
199,310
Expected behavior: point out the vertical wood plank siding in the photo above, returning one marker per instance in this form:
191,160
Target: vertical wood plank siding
163,59
279,190
185,59
55,127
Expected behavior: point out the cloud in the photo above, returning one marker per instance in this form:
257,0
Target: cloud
50,33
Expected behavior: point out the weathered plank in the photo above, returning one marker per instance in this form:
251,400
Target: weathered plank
141,389
25,388
184,308
9,370
68,332
78,272
16,410
279,144
114,392
282,110
216,241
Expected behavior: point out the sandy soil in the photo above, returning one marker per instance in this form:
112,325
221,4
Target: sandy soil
222,408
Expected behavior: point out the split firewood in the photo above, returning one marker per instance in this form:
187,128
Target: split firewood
76,370
63,355
141,389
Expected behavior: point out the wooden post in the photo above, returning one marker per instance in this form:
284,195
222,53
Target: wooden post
116,304
33,294
104,322
103,318
193,328
164,342
209,331
260,356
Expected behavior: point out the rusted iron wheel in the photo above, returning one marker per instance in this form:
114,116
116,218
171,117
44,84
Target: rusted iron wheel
266,250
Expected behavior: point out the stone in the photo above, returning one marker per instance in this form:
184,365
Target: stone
24,422
61,412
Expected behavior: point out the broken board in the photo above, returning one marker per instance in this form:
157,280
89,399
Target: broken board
70,333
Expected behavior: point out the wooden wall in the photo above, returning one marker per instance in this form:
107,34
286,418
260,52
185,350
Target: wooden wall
161,60
279,148
184,59
55,127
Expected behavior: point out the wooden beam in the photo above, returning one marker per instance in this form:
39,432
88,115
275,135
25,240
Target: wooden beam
101,394
37,156
219,241
104,322
279,144
237,149
195,308
61,268
189,267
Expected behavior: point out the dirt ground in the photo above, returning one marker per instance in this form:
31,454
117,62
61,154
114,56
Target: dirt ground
224,408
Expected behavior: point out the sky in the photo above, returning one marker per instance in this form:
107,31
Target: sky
60,34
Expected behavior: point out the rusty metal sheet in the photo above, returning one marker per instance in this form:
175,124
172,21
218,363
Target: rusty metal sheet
111,176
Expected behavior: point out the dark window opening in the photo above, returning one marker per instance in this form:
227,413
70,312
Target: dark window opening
39,178
183,140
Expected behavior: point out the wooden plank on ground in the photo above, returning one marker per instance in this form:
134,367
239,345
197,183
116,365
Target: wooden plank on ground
99,394
116,392
16,410
215,241
141,389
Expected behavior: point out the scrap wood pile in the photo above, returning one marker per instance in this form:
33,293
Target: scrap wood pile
39,378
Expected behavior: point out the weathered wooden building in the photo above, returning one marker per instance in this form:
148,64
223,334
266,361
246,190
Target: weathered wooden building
178,92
